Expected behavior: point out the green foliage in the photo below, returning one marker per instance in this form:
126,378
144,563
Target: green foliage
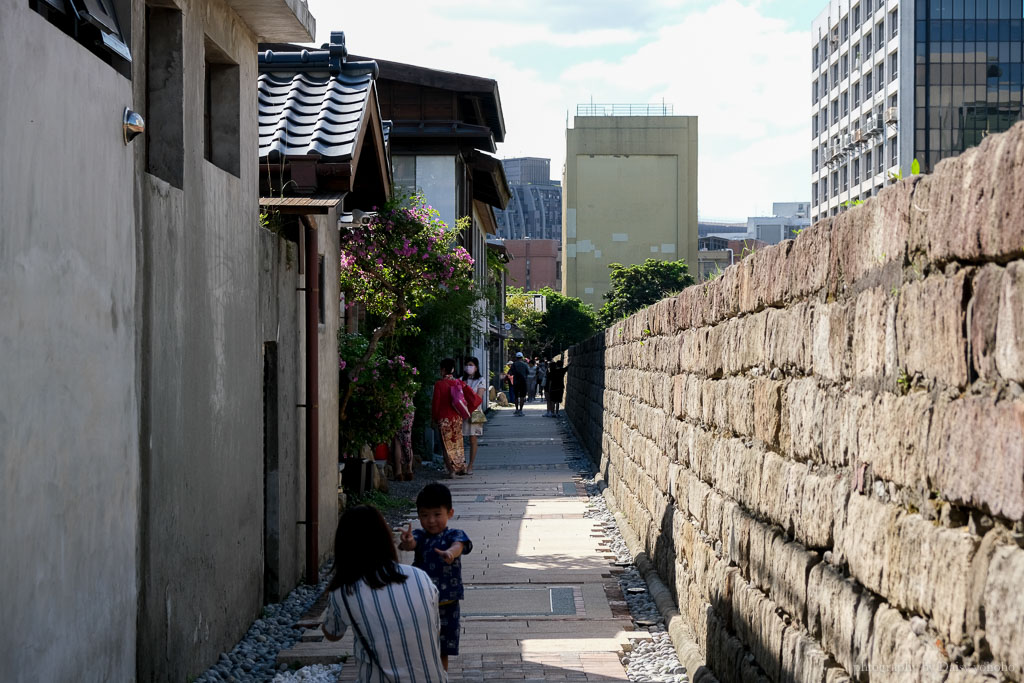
566,321
915,167
638,286
380,394
382,501
851,203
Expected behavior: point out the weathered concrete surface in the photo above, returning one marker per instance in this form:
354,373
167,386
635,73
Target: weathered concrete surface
822,451
69,417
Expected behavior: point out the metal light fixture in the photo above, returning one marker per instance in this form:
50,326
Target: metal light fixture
132,125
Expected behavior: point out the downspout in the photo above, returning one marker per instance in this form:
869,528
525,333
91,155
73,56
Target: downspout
312,400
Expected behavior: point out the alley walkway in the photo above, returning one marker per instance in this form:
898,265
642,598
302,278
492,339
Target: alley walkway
542,603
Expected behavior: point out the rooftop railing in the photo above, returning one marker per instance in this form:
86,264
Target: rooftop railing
624,109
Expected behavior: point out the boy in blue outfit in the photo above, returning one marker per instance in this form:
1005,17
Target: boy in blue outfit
438,549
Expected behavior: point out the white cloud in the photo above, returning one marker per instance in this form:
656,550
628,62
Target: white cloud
744,75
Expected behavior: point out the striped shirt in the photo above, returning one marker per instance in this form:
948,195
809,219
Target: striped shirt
400,622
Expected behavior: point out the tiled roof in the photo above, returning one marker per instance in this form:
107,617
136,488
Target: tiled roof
312,102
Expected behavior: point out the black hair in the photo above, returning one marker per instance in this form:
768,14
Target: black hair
364,548
434,495
447,366
474,361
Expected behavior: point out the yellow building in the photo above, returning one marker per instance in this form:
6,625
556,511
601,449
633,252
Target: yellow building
630,193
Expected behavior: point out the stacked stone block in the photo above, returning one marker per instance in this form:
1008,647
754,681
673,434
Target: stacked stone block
822,450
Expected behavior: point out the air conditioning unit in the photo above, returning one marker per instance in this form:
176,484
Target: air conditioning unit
859,137
877,124
848,142
834,35
892,115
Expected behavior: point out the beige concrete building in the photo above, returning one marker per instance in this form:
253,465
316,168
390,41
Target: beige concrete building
630,193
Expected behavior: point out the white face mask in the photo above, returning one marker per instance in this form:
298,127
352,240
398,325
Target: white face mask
470,369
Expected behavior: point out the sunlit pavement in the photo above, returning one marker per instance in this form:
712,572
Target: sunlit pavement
542,603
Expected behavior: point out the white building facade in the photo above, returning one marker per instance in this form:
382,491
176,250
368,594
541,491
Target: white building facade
860,51
897,81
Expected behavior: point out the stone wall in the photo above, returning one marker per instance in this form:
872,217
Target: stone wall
822,450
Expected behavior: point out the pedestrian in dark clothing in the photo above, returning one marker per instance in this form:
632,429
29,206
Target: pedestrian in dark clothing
519,373
555,388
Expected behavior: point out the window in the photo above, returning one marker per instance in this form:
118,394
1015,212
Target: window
846,103
867,10
835,74
835,111
867,163
94,24
814,92
880,158
814,193
856,171
814,161
844,28
221,110
856,17
824,189
867,46
835,183
894,24
856,94
880,76
867,85
845,62
879,35
894,152
165,96
824,84
845,177
894,64
814,57
855,55
404,170
894,100
814,126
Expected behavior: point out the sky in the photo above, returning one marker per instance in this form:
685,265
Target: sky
741,66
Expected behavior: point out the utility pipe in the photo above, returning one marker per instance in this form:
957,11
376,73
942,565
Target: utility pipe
312,401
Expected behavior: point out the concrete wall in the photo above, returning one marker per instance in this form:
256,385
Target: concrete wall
201,556
822,450
69,477
630,194
283,323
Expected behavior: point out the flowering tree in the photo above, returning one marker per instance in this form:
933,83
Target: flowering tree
405,257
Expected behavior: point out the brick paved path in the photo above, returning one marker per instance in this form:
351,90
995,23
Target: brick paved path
541,602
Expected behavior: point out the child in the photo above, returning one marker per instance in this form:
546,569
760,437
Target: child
437,553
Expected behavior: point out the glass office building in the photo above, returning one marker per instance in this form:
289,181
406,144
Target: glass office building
967,74
894,81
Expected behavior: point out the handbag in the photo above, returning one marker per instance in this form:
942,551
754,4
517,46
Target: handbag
458,398
362,638
478,417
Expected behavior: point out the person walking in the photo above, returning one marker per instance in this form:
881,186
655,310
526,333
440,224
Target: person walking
474,426
448,420
556,387
542,376
518,373
531,381
391,607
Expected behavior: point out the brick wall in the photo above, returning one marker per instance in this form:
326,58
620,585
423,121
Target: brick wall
822,450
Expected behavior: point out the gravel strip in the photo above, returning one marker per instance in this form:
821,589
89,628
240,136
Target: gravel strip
254,658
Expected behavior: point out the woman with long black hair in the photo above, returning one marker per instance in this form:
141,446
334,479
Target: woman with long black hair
391,607
474,430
